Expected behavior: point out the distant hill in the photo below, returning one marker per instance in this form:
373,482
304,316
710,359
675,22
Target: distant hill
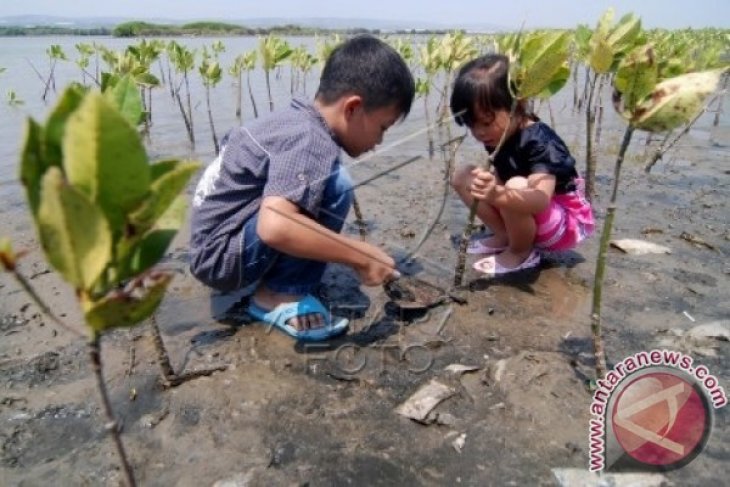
322,23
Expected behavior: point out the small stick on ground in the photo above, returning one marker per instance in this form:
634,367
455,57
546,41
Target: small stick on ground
168,376
132,360
358,217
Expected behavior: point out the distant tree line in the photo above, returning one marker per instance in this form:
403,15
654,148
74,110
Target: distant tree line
13,31
146,29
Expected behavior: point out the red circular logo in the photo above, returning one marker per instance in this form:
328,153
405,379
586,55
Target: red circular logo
661,419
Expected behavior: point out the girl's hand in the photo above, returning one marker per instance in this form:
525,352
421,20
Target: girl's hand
483,184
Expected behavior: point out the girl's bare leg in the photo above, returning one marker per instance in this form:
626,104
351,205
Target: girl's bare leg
520,229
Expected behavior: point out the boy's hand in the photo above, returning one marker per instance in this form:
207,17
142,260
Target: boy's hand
377,267
483,184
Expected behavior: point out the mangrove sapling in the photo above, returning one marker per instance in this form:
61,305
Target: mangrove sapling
654,107
169,53
85,53
13,100
598,115
249,64
430,59
8,262
306,65
608,44
302,63
294,68
274,51
325,46
454,49
145,53
55,53
131,63
236,71
423,87
538,67
211,74
184,61
105,215
579,57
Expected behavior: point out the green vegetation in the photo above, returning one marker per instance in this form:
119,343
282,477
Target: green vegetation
104,214
139,29
202,28
16,31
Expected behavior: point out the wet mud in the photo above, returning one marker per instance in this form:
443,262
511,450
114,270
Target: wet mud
324,414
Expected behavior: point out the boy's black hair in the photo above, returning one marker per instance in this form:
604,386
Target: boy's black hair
370,68
482,83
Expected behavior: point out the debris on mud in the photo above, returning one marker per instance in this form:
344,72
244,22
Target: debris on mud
424,400
639,247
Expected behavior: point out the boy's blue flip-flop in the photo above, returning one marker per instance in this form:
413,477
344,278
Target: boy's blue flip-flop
279,316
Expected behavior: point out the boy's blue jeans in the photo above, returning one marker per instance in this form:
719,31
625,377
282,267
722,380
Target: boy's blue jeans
282,273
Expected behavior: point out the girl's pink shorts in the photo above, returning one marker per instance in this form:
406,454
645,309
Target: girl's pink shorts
566,222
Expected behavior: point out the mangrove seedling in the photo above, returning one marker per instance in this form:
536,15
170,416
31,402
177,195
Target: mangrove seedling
607,45
211,74
654,105
184,61
243,62
104,215
274,51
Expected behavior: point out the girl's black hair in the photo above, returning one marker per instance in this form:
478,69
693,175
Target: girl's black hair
482,83
371,68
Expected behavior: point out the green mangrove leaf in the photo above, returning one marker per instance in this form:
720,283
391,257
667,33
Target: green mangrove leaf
582,40
174,216
601,57
636,76
604,24
108,80
125,97
675,101
623,35
423,87
155,243
148,251
74,233
169,179
211,72
136,254
147,79
559,80
33,164
541,58
127,307
672,67
56,125
104,158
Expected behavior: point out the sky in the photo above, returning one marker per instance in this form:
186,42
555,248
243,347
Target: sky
510,14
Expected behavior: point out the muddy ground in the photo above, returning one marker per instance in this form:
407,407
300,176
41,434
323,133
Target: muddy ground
283,414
